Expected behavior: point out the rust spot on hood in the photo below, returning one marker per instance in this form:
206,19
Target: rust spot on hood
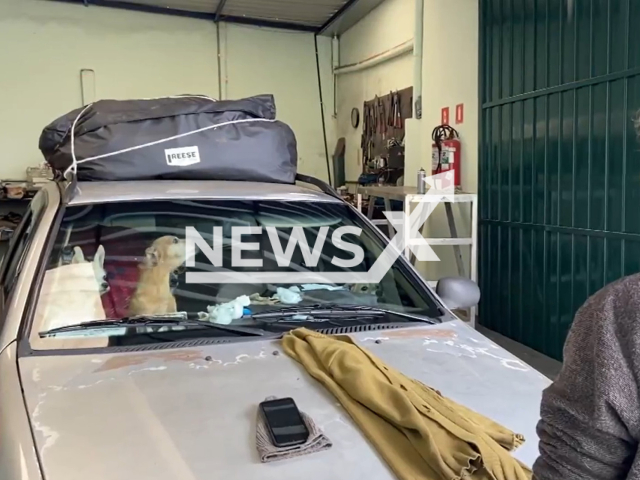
421,333
123,361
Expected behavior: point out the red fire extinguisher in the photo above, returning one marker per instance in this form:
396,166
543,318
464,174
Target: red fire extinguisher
446,153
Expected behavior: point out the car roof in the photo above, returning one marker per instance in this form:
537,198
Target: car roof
120,191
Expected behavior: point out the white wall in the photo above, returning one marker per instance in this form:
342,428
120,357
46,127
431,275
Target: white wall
449,77
450,39
284,64
389,25
456,23
44,45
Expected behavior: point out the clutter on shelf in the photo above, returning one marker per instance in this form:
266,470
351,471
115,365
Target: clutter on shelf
26,190
18,190
8,223
14,190
36,176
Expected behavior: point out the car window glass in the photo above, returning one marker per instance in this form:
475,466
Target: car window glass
14,253
101,251
14,260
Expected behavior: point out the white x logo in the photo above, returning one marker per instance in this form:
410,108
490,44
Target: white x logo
408,225
407,239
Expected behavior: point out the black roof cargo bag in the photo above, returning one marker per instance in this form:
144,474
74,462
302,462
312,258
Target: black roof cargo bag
186,137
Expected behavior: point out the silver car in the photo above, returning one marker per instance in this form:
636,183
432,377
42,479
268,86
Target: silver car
89,392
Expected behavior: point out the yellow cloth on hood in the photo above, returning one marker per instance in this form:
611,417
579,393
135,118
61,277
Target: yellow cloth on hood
419,433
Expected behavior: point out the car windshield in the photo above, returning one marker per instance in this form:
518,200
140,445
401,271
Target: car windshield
256,263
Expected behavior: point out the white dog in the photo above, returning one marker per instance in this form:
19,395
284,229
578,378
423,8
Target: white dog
72,293
97,264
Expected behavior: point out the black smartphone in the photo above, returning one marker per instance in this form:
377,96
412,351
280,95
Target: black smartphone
284,422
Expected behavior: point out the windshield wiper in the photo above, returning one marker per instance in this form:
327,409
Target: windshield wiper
333,309
170,320
314,308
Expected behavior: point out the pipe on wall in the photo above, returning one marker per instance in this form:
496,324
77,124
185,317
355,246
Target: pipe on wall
324,125
219,59
378,58
87,86
335,63
417,59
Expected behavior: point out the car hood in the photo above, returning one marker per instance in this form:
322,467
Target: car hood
189,413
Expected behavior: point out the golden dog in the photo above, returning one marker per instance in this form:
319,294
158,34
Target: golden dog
153,295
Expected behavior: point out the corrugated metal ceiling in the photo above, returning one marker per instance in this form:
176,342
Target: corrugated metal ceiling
202,6
328,17
305,12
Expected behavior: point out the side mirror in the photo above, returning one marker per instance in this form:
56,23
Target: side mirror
458,292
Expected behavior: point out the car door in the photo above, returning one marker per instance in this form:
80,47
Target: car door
17,458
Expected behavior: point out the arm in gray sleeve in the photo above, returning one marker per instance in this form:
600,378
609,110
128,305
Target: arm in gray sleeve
589,413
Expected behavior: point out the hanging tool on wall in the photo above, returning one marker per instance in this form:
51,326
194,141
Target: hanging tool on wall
398,117
365,125
372,120
368,133
381,117
395,112
374,114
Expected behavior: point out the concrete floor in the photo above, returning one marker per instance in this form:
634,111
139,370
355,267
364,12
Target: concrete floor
545,365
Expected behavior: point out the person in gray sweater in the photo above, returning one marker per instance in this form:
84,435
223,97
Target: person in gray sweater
590,416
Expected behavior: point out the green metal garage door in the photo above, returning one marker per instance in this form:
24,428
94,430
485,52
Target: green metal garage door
560,162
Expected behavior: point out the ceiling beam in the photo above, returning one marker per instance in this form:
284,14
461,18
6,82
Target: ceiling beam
336,15
219,10
258,22
136,7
